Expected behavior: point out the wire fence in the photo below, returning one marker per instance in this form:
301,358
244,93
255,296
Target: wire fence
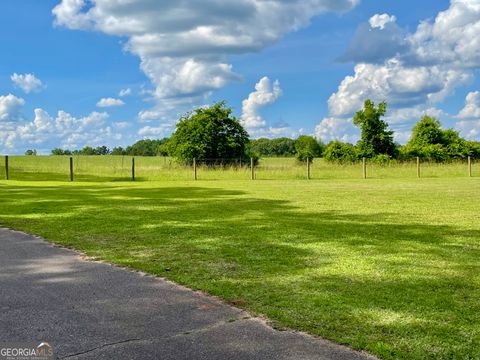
128,168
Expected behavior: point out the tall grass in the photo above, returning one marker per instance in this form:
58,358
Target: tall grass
119,168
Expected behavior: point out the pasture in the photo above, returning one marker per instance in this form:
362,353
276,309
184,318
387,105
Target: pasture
388,265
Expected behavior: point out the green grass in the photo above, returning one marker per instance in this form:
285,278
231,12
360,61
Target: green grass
119,168
390,266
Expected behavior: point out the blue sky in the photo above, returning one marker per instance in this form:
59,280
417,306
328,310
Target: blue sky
284,69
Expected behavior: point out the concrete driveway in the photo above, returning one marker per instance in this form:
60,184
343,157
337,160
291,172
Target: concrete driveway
90,310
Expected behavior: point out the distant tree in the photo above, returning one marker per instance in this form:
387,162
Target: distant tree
87,150
58,151
430,142
31,152
118,151
375,137
340,152
273,147
427,131
307,147
209,133
102,150
145,147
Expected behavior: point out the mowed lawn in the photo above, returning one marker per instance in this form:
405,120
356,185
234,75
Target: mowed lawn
390,266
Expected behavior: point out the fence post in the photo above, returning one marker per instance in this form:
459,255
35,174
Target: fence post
6,167
133,169
308,168
194,169
71,168
469,166
252,167
364,168
418,166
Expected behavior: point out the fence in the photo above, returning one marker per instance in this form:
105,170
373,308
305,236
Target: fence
123,168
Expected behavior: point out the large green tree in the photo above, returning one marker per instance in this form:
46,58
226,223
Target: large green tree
307,147
207,134
376,139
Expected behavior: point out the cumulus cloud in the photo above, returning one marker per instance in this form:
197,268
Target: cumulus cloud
470,129
109,102
331,128
183,45
380,21
11,108
401,86
65,130
266,93
125,92
159,131
27,82
413,72
472,106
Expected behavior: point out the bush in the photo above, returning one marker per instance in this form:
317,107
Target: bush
340,152
307,147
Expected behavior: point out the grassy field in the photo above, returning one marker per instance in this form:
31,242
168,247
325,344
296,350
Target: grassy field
390,266
119,168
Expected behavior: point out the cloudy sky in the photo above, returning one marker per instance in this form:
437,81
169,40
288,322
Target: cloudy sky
77,72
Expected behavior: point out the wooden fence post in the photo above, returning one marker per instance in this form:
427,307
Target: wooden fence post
418,166
71,168
252,167
6,167
364,168
308,168
469,166
133,169
194,169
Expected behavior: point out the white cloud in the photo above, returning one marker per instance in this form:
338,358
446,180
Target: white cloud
332,128
64,130
121,124
472,106
26,82
399,85
11,108
109,102
266,93
184,45
469,129
380,21
160,131
125,92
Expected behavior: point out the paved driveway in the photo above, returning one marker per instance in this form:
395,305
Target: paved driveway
90,310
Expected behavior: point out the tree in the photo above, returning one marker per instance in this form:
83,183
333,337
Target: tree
209,133
58,151
145,147
118,151
273,147
340,152
102,150
31,152
427,131
375,138
307,147
430,142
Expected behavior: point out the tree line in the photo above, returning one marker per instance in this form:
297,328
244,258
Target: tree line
212,133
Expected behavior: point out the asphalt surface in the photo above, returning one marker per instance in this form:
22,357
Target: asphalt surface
91,310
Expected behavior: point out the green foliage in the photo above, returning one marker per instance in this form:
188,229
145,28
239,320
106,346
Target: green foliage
340,152
145,147
31,152
281,147
118,151
58,151
307,147
209,133
375,138
430,142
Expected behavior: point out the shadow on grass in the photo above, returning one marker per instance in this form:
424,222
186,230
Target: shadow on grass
395,289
